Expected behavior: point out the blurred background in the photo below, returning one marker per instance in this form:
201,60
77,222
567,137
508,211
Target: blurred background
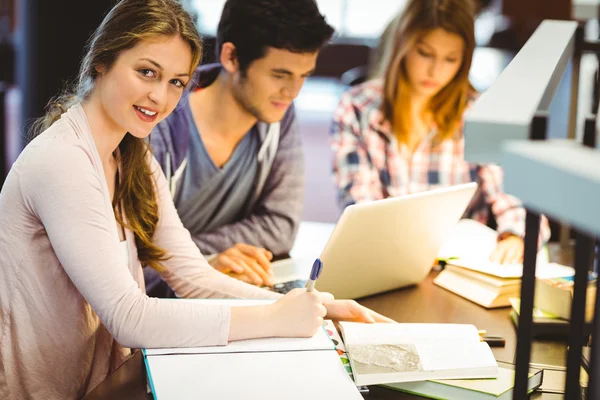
42,41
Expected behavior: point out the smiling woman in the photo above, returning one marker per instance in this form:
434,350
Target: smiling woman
142,86
142,55
86,205
87,184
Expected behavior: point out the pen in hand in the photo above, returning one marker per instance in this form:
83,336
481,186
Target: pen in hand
314,274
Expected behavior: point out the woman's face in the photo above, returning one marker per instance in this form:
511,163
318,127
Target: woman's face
433,61
144,84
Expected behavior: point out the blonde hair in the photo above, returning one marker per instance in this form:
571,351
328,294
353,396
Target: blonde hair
418,18
128,23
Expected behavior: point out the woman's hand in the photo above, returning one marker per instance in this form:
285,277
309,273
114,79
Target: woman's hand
247,263
509,250
350,310
298,314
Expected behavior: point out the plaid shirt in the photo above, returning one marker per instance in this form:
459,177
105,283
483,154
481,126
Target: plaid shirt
369,165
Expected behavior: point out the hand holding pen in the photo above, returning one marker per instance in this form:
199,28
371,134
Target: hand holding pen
300,312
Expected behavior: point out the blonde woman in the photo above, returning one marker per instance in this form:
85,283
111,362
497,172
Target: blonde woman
85,206
403,133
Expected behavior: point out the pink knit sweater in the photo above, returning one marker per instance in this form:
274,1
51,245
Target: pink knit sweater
69,307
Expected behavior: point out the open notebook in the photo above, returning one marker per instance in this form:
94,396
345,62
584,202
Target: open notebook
470,274
271,368
471,244
385,353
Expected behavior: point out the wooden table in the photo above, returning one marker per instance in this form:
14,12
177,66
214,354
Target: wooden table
425,302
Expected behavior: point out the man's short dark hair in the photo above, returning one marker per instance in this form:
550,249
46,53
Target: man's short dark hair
253,25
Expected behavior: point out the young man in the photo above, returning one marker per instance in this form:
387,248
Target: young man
231,149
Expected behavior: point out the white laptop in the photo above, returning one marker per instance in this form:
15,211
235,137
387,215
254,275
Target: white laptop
377,246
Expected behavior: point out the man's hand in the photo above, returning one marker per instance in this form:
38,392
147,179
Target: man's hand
247,263
509,250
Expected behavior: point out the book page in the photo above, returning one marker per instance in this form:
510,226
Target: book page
486,279
384,363
469,238
437,356
543,270
373,359
470,244
382,333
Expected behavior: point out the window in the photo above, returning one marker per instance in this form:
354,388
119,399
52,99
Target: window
350,18
367,19
356,19
208,12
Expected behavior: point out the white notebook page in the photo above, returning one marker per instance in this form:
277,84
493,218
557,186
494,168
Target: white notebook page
359,333
289,375
441,356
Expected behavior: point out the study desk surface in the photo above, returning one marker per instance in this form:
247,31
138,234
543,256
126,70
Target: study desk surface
425,302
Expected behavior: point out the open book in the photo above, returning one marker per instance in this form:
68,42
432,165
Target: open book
295,368
385,353
471,243
470,273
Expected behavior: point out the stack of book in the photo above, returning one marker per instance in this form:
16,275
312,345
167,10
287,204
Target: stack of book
556,295
470,273
544,324
552,308
487,290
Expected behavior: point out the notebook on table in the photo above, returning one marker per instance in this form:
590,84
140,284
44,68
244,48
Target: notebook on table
269,368
500,388
385,353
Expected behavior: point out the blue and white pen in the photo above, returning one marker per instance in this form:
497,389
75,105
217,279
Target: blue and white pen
314,274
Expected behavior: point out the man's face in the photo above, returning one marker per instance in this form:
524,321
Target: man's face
272,82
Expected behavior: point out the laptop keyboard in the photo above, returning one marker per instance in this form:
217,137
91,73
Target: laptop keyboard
284,287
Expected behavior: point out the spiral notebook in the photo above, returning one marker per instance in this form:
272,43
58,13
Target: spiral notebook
271,368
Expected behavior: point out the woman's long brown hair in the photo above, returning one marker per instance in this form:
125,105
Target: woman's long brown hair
418,18
128,23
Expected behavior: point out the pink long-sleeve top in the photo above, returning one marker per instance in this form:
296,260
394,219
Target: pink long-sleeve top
70,308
